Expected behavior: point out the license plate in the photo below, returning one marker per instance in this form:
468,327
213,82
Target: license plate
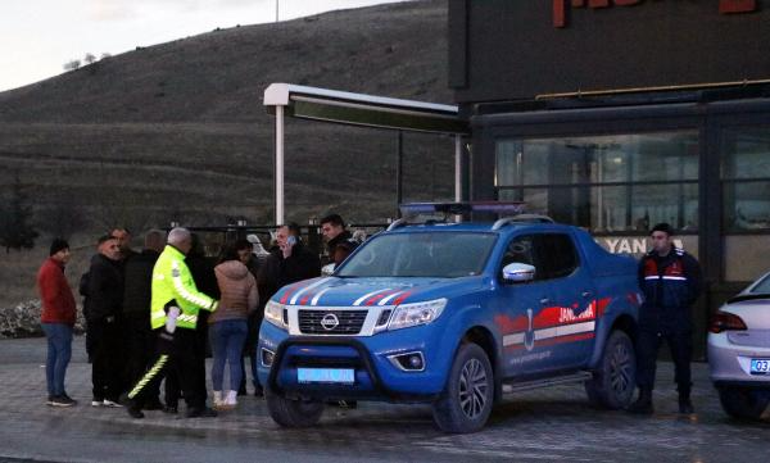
326,375
760,366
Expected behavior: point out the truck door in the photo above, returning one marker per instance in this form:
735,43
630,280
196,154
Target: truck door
520,305
568,317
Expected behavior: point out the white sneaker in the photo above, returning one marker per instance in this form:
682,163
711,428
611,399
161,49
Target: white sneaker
232,399
111,404
97,403
218,402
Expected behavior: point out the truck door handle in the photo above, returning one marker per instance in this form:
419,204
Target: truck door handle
587,294
545,300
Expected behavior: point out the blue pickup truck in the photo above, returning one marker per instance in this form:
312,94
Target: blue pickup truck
455,315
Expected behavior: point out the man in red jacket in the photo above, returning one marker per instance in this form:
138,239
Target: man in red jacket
57,319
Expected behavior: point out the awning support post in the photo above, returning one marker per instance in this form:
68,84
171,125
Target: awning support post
279,162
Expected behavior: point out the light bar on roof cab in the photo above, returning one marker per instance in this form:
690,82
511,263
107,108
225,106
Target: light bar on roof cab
463,208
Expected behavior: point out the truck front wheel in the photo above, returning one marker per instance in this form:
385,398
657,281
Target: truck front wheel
614,380
467,400
291,413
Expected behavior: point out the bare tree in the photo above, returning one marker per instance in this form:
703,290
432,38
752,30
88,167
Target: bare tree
90,58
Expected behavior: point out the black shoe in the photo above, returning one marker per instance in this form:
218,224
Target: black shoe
643,405
259,392
171,410
62,401
685,407
204,412
135,412
154,404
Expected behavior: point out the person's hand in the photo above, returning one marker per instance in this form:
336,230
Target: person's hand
288,246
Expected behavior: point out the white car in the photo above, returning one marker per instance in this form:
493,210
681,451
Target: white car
739,351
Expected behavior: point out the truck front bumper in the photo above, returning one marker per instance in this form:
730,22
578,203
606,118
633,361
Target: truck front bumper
376,375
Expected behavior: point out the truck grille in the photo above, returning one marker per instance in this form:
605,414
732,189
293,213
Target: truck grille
318,321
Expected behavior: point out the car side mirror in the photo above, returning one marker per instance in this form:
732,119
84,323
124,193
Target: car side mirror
518,273
327,270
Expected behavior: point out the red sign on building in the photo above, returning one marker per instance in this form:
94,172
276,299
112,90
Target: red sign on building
561,7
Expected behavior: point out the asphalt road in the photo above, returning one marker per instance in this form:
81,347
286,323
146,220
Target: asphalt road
553,424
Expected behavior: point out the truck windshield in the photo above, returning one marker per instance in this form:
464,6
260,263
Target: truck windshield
423,254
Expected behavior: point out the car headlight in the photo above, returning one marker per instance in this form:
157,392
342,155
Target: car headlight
419,313
276,314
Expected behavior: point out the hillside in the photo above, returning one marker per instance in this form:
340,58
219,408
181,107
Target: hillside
177,131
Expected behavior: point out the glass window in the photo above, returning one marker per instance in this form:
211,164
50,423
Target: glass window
664,156
607,183
746,178
609,209
553,254
746,205
556,255
423,254
676,204
520,250
762,286
746,153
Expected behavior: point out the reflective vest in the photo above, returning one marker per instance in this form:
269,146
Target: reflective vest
172,281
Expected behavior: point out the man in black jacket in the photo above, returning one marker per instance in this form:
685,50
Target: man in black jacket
334,234
140,340
102,307
671,282
289,263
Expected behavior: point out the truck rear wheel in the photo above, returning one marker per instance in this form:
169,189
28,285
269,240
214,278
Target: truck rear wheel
614,382
467,401
292,413
743,403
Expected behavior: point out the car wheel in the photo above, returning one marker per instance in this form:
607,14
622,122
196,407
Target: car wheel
614,382
291,413
467,400
743,403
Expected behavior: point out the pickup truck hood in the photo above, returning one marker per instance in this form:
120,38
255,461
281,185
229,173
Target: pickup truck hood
352,292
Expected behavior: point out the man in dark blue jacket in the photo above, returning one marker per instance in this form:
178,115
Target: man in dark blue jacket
671,282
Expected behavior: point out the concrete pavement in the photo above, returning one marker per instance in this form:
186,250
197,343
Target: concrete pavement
553,424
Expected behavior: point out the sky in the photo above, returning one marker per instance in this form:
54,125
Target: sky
37,37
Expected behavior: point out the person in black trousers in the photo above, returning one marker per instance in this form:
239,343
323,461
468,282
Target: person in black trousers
670,280
140,339
102,306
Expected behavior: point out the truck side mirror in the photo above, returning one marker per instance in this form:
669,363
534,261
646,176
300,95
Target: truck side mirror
517,272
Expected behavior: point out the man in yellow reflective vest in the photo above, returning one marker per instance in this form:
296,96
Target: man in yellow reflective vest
174,312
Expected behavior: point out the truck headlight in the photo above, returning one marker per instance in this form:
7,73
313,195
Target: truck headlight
419,313
276,314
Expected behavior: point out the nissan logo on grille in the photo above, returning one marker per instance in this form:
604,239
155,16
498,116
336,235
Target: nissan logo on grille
329,322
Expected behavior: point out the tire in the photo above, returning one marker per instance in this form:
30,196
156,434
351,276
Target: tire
742,403
293,413
467,400
614,381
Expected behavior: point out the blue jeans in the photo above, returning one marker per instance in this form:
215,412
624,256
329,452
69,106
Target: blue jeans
227,338
59,337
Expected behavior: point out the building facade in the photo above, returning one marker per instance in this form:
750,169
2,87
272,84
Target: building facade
617,114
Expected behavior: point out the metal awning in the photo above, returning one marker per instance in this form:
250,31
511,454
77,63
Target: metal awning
357,109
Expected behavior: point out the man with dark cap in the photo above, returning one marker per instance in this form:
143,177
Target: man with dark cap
670,280
57,319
